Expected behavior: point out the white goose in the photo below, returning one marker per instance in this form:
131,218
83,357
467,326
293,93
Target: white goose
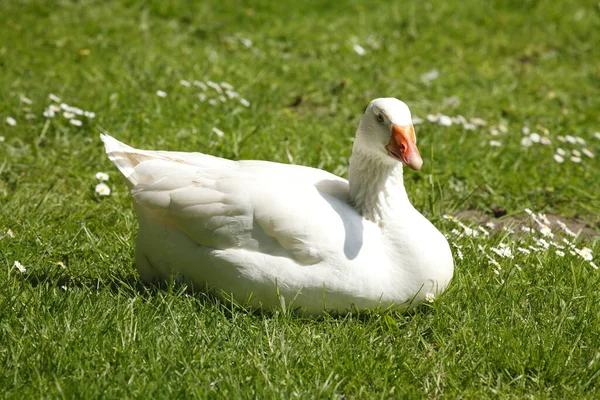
261,230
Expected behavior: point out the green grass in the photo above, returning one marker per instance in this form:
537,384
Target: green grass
92,330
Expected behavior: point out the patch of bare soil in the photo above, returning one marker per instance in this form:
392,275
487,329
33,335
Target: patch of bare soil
583,228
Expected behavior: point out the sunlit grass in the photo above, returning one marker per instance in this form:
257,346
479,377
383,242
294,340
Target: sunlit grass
508,96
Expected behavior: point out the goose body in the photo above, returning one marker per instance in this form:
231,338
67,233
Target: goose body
262,231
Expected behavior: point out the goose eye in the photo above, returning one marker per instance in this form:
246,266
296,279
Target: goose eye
380,118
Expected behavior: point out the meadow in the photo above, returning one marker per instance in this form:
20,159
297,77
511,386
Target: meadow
505,98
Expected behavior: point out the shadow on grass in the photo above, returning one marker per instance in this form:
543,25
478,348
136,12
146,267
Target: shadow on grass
391,317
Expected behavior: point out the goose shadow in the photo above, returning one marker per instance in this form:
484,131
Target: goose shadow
336,193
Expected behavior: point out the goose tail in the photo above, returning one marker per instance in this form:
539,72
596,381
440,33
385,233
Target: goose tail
123,156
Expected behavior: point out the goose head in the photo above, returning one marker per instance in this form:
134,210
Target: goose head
386,133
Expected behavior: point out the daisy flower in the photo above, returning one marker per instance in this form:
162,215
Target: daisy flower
358,49
185,83
246,42
445,120
558,158
587,153
102,176
160,93
218,132
585,253
11,121
76,122
20,267
54,98
245,102
200,84
526,142
429,297
103,189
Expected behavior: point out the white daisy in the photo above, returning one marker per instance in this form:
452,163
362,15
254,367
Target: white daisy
102,176
358,49
535,137
102,189
546,231
185,83
429,297
54,98
200,84
585,253
526,142
215,86
231,94
20,267
25,100
495,143
575,159
218,132
444,120
11,121
245,102
160,93
558,158
68,115
76,122
587,152
430,75
246,42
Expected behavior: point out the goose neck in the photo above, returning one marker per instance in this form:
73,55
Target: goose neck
376,187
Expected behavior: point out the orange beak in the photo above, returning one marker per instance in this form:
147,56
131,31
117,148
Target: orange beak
403,146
